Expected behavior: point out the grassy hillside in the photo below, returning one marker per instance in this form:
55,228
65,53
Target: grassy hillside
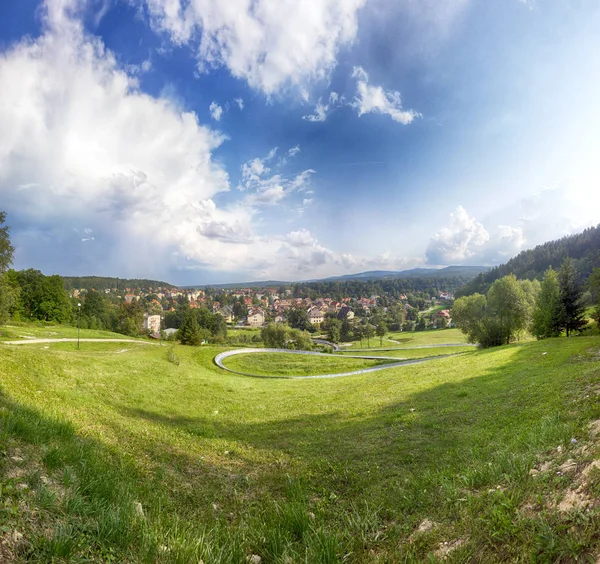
28,331
114,454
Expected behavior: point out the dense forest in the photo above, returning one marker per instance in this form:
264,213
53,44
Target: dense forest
106,283
583,248
390,287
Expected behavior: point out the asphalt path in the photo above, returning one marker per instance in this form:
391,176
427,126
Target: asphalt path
222,356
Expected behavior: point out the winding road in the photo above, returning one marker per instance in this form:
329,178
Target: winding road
222,356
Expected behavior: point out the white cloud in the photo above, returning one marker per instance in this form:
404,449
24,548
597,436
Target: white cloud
322,110
374,99
294,151
240,103
272,44
82,145
263,187
216,111
459,242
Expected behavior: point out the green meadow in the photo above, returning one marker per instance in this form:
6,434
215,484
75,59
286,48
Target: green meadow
146,453
411,353
412,339
282,364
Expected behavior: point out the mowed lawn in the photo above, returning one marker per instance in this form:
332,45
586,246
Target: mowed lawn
411,353
282,364
123,456
412,339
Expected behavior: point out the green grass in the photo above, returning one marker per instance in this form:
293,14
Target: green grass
412,339
409,353
281,364
31,331
339,470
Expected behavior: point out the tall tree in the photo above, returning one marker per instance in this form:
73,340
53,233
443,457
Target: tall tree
8,292
381,330
572,314
129,318
189,333
334,327
42,297
509,305
298,319
95,308
547,311
6,248
594,282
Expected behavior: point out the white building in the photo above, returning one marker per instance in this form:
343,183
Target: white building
152,323
256,318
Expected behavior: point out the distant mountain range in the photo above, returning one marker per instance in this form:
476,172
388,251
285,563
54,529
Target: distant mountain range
464,271
448,271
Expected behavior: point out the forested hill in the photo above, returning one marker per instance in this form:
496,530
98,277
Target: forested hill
107,283
583,248
392,287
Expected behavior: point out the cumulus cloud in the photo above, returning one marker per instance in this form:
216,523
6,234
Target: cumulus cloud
240,103
374,99
467,241
83,146
459,242
216,111
272,44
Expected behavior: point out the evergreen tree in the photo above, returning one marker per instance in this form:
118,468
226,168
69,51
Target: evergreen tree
547,312
572,311
189,333
595,291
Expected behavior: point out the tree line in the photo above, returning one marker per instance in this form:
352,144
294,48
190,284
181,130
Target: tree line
102,283
512,306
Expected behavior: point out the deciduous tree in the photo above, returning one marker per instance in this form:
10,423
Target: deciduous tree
547,311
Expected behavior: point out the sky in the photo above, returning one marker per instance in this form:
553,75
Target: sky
203,141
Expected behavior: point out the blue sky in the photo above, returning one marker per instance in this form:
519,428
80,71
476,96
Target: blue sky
201,141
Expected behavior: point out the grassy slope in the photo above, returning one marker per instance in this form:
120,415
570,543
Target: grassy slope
30,331
225,466
281,364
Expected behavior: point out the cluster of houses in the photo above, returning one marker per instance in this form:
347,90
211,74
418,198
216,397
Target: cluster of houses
276,309
263,304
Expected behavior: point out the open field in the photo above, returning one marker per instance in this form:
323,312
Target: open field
282,364
414,352
411,339
115,456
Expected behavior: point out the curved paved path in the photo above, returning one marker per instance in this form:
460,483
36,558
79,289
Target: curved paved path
389,349
64,340
222,356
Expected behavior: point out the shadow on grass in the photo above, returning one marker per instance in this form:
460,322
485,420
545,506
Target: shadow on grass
520,406
412,458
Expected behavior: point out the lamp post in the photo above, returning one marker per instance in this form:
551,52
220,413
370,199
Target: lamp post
78,323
